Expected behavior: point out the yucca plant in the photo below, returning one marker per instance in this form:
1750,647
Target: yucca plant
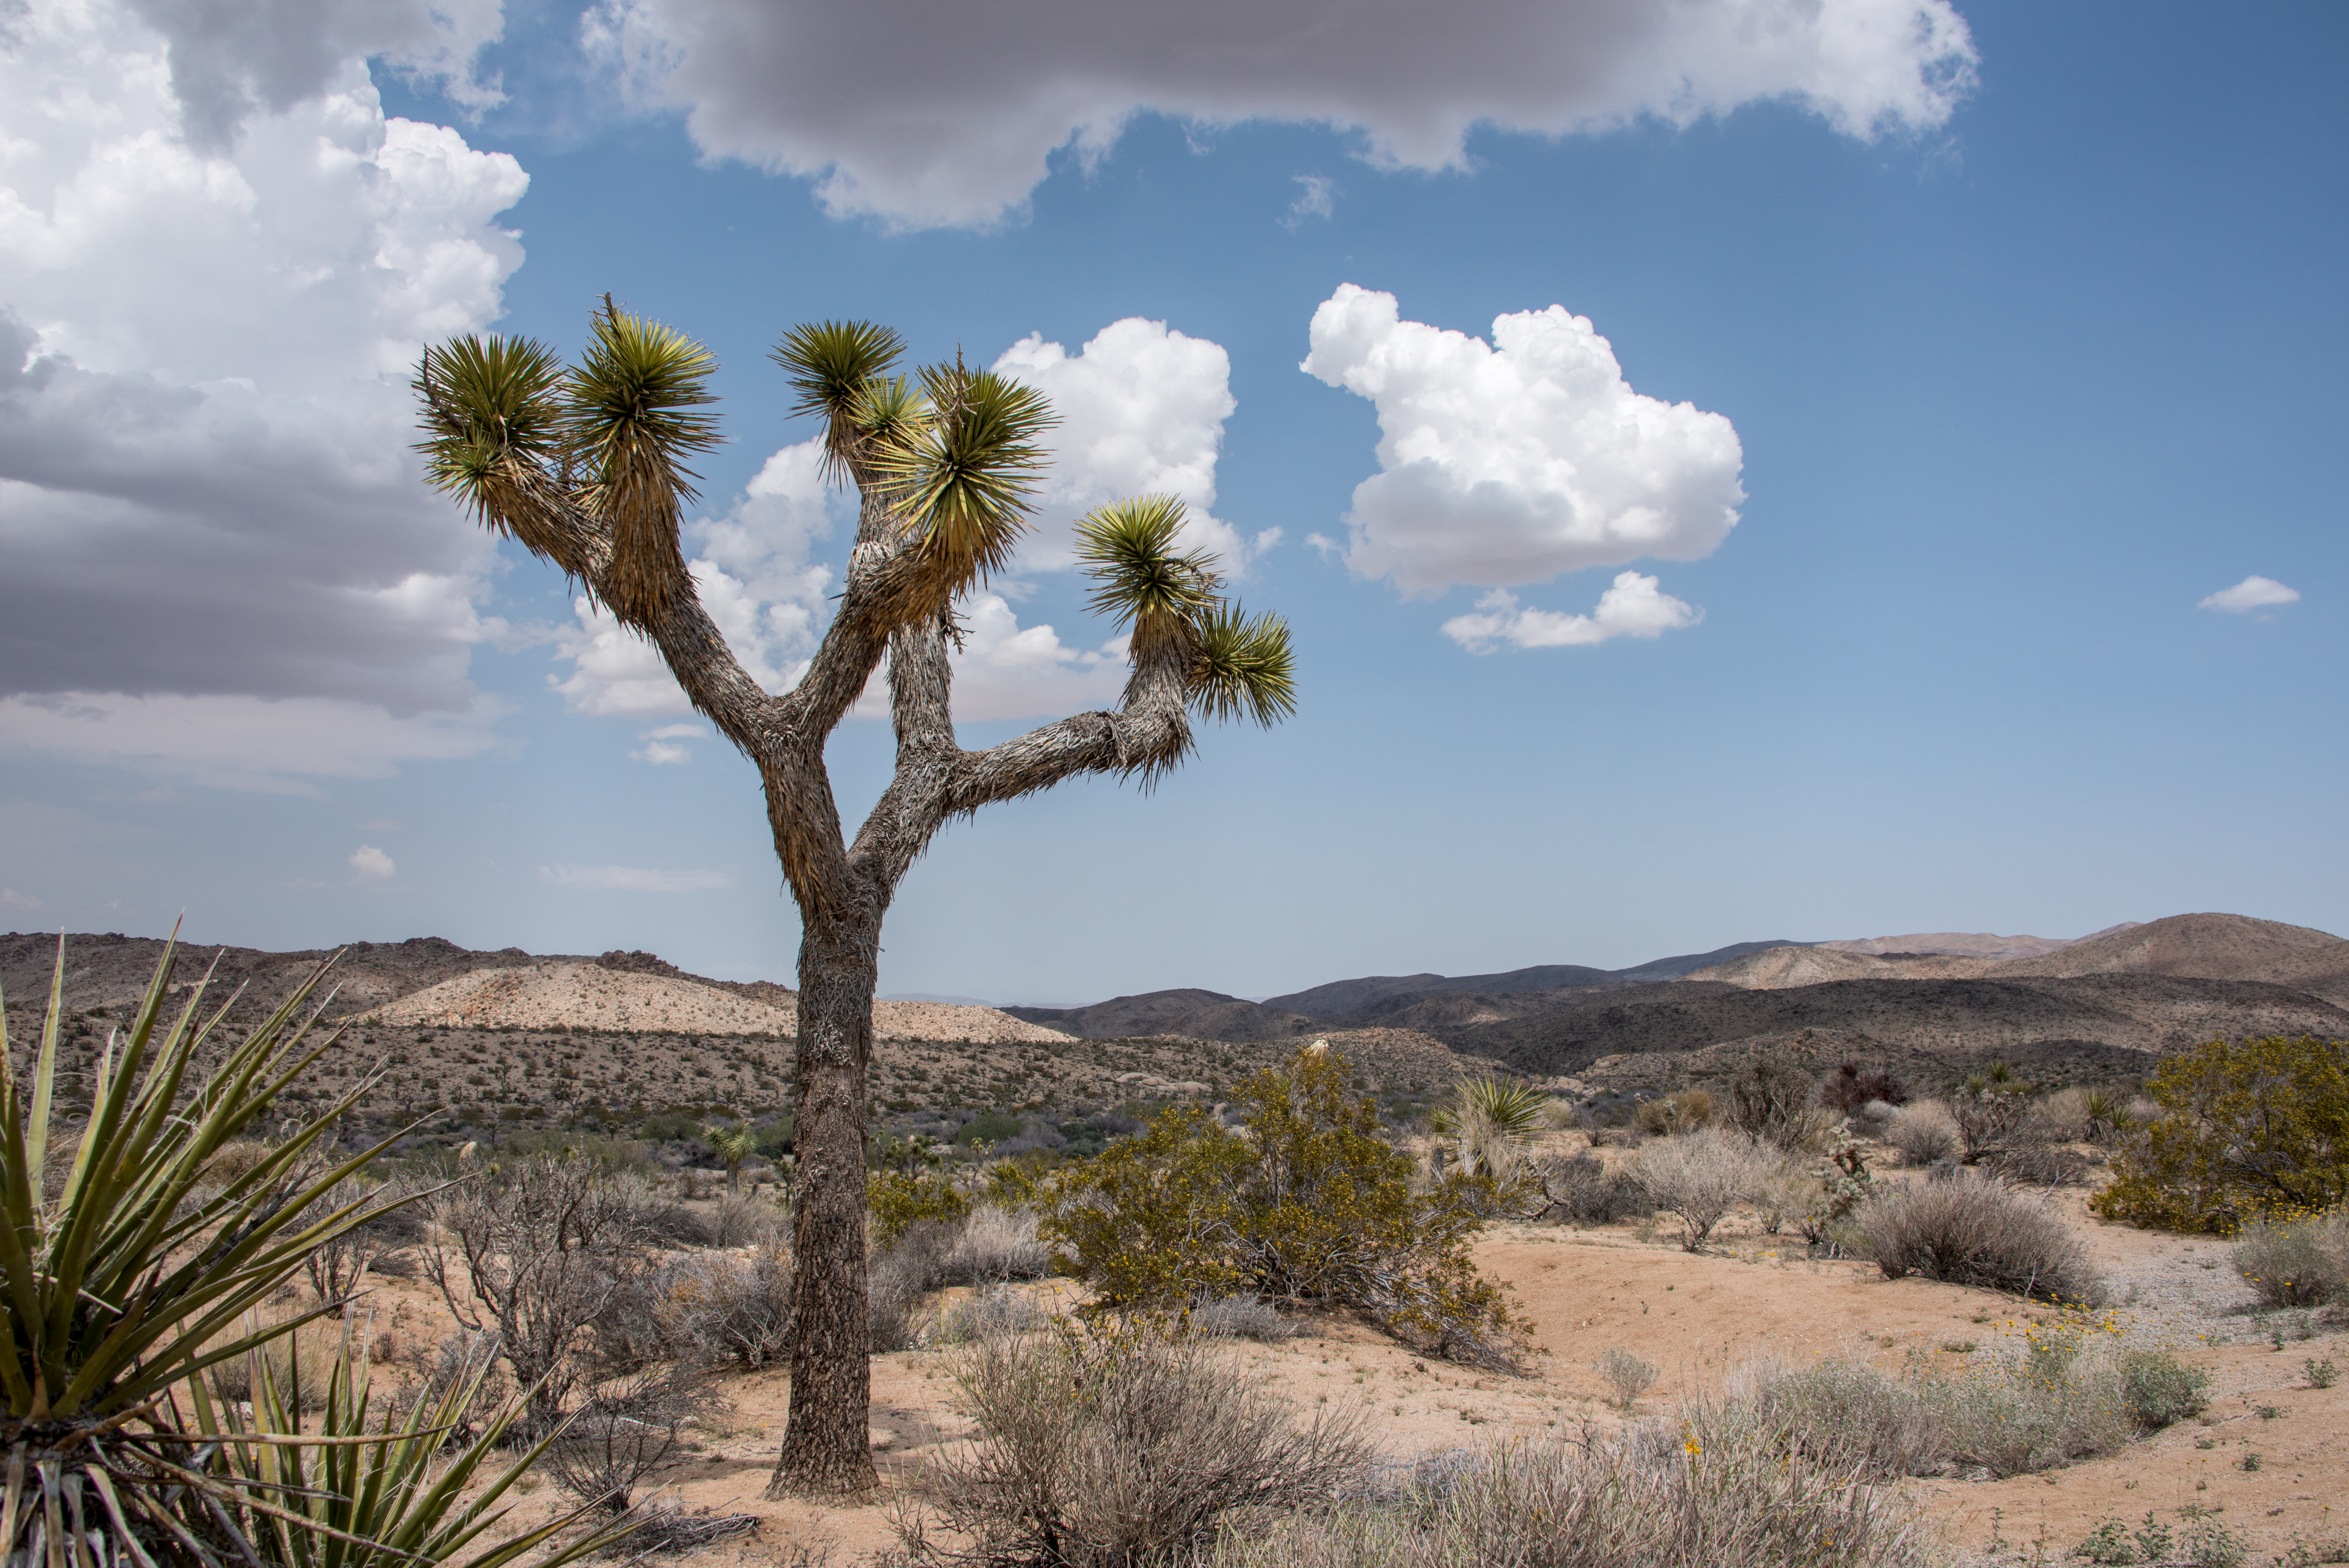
120,1277
365,1492
1487,1119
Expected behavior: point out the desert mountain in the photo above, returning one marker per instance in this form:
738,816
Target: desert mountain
1776,969
2213,947
1957,1020
1363,997
1968,944
1189,1014
602,999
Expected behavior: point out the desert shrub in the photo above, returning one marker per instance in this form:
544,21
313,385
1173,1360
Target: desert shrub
534,1251
996,1243
710,1309
1772,1099
902,1198
1118,1445
2060,1117
2297,1261
1581,1188
300,1364
1925,1133
2159,1390
748,1222
1684,1112
1310,1205
1626,1375
1991,1109
2242,1129
1699,1177
1975,1230
1837,1186
1242,1317
624,1431
902,1273
1723,1484
2009,1419
990,1310
1882,1425
2038,1164
671,1224
1852,1087
461,1361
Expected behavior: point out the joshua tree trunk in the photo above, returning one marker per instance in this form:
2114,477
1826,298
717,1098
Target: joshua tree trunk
582,468
825,1444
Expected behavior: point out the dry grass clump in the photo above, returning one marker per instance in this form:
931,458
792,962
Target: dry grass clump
1925,1133
1627,1375
1878,1422
1976,1231
1242,1317
2296,1260
990,1311
711,1309
1116,1445
1726,1484
993,1244
1699,1177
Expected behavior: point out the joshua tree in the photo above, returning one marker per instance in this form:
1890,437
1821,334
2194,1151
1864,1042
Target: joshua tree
585,466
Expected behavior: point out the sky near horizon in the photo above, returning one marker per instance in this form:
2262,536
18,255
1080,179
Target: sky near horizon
1735,469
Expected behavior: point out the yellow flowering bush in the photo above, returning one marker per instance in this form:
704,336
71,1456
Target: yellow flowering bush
1303,1203
2246,1129
899,1199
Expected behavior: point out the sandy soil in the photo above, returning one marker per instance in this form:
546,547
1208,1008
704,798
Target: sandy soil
586,996
1699,1319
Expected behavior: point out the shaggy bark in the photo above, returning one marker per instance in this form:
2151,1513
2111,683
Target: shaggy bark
892,603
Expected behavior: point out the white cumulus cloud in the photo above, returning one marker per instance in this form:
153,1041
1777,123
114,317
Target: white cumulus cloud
217,260
1634,606
633,880
371,862
2251,594
1511,461
12,900
928,112
1142,410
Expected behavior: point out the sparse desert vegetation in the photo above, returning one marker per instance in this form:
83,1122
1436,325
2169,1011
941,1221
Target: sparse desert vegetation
1440,1305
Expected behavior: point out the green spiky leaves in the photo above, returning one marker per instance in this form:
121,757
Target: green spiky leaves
493,414
632,428
1238,666
1246,666
965,475
841,370
1128,546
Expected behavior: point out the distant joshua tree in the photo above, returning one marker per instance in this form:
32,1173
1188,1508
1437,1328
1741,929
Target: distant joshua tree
585,466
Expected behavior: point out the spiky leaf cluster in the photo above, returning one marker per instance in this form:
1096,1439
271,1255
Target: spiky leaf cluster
1236,665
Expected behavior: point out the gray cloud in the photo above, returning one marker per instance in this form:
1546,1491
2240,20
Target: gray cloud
940,112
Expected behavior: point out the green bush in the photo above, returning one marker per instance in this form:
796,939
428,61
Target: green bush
2161,1390
902,1198
2246,1129
1309,1205
2298,1261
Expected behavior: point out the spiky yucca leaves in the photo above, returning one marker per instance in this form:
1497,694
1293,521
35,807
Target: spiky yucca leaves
1236,665
494,421
1246,666
838,368
631,433
1139,577
964,476
1488,1118
373,1494
114,1283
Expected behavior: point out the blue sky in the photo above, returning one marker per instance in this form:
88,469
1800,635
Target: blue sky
2031,356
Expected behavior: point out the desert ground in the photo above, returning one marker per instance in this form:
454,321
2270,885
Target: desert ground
1749,1300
